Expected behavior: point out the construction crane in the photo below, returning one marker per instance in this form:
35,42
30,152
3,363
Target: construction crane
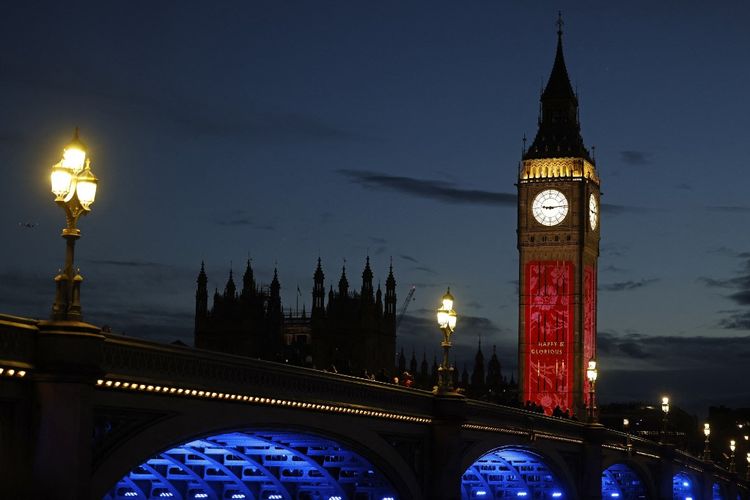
408,300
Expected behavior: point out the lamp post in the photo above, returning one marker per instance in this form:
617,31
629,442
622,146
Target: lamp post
446,318
747,473
591,374
707,447
665,411
626,429
74,187
732,447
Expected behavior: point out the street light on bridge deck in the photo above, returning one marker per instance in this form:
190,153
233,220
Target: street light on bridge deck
74,187
446,318
707,448
665,411
732,447
591,374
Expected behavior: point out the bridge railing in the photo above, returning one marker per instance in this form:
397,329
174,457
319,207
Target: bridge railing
128,358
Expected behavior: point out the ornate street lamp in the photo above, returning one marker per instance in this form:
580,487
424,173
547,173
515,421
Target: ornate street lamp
591,374
446,318
732,447
707,448
626,429
747,474
665,411
74,187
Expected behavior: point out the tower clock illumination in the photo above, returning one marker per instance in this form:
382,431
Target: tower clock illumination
593,211
558,245
550,207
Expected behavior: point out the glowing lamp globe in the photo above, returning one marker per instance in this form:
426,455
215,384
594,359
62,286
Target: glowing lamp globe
446,316
61,178
732,446
74,154
706,429
86,188
665,404
591,372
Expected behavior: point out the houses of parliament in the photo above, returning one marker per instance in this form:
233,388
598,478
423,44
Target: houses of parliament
350,331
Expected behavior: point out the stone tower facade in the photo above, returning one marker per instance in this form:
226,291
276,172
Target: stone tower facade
558,243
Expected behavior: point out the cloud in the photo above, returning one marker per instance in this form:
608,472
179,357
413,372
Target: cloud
632,157
739,209
735,319
449,193
246,222
672,352
627,285
240,217
424,269
684,186
612,269
421,188
409,258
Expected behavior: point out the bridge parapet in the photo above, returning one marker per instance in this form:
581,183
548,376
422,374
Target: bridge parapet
147,362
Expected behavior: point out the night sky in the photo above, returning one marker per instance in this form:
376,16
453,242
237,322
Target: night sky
283,131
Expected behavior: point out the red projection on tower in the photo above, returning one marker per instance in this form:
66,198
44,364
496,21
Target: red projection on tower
549,333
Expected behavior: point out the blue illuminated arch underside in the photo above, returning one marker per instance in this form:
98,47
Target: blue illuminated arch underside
510,473
250,465
682,487
622,483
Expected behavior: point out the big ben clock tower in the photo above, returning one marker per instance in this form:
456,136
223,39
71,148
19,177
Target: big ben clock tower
558,242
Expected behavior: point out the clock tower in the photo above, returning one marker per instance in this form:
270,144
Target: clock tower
558,242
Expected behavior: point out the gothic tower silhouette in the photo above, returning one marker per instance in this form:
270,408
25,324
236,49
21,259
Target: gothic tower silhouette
558,243
351,332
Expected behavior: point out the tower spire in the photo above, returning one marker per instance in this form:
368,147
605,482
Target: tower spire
559,133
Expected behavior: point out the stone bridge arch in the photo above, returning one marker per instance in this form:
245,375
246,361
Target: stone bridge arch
638,466
363,439
550,454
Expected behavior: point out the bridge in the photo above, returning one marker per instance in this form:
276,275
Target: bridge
87,414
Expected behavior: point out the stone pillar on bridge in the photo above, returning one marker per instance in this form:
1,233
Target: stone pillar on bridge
667,470
444,480
591,479
68,358
707,482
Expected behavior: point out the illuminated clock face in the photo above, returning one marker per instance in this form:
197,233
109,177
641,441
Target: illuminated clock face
550,207
593,212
